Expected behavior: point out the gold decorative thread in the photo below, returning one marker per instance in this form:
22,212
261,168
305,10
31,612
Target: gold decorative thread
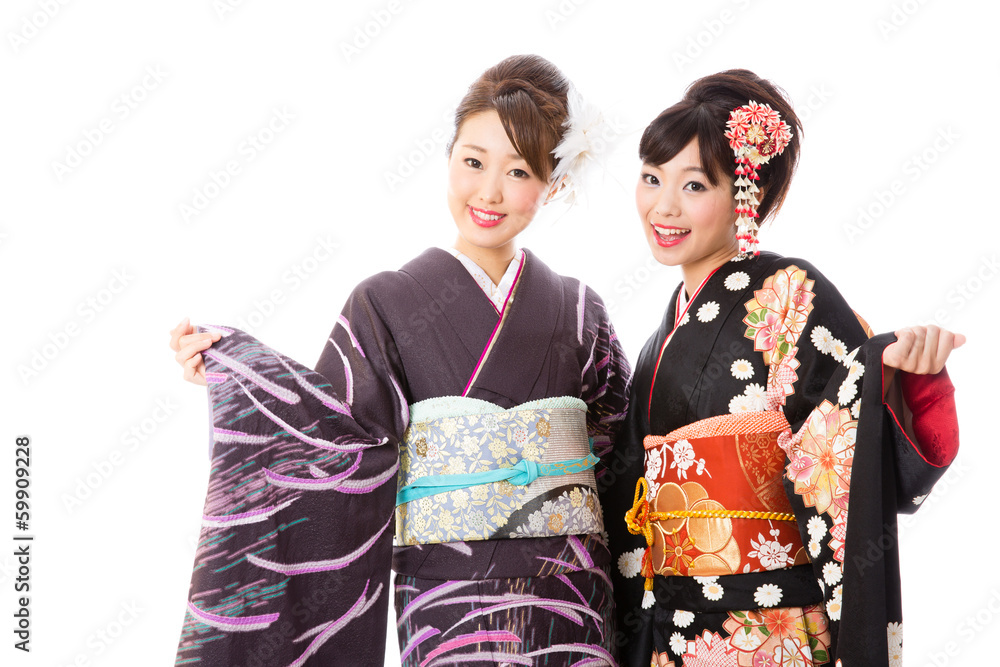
721,514
640,517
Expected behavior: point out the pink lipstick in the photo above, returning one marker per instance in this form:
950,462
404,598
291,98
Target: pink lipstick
668,237
485,217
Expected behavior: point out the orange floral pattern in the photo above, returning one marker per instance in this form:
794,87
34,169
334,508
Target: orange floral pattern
776,317
820,463
788,635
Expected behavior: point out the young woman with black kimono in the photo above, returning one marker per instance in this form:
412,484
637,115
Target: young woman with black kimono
462,403
763,412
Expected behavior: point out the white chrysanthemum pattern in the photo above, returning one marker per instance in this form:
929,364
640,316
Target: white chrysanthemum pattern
741,403
630,563
768,595
708,311
832,573
742,369
737,281
682,619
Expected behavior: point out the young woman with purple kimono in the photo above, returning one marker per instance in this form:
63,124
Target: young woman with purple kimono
763,413
462,403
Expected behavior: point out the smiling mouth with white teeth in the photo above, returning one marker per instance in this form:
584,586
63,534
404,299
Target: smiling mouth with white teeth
670,236
485,218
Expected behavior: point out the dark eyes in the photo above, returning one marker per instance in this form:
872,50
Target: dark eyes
692,186
516,173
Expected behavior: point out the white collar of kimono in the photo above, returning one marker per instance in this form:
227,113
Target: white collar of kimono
496,293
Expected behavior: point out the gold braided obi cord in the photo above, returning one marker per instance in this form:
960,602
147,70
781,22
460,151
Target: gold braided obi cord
470,470
712,501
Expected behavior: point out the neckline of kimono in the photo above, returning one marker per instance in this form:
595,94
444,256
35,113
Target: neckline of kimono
519,255
441,407
500,320
472,278
666,341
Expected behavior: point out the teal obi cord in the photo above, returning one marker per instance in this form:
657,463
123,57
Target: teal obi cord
522,473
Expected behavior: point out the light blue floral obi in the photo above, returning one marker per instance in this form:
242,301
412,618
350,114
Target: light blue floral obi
470,470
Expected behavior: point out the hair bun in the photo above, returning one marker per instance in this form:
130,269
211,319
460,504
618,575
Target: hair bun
545,102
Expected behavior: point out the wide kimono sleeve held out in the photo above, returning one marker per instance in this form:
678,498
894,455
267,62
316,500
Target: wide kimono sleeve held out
851,465
292,566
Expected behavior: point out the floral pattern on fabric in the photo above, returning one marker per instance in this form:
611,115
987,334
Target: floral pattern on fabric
820,464
478,443
775,319
574,512
780,636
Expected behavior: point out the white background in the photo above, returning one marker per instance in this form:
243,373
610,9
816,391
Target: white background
876,83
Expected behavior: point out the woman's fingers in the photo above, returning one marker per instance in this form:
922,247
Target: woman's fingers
927,360
921,350
895,354
192,348
198,338
194,370
182,328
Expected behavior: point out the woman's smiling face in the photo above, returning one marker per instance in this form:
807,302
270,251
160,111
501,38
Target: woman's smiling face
688,222
492,193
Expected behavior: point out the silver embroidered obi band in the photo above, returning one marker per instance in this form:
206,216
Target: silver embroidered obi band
471,470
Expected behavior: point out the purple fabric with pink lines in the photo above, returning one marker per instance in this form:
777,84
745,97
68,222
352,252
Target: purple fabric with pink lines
293,563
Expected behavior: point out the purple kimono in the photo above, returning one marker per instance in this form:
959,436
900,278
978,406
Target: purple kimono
297,540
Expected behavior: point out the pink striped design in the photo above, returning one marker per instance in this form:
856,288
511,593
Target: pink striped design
309,484
354,341
226,435
563,578
231,624
416,640
360,486
432,594
325,399
581,551
215,378
332,628
545,603
404,410
569,566
481,599
316,442
348,375
319,565
255,516
489,657
573,616
591,649
276,390
603,362
496,328
492,636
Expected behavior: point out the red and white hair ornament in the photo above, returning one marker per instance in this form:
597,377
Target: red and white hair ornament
756,133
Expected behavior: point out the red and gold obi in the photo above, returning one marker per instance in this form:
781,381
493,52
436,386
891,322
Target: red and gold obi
712,501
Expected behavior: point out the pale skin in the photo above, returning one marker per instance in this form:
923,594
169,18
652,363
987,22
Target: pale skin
492,196
689,222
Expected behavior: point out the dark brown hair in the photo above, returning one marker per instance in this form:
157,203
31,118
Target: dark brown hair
702,115
530,95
